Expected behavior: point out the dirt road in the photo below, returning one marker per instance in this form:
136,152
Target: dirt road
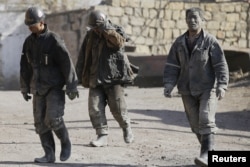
162,134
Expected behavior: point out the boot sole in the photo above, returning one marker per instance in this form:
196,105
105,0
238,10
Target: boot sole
96,145
129,141
64,154
200,163
64,159
38,161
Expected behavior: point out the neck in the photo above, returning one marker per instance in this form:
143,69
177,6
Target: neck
194,33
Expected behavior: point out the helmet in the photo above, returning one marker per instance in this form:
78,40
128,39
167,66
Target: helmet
33,15
94,16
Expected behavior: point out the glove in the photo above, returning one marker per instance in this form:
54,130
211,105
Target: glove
73,95
26,96
220,93
168,88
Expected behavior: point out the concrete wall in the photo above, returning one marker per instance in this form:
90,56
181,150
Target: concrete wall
11,46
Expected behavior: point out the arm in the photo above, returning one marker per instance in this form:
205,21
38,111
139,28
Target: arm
171,71
114,35
114,39
172,67
81,60
25,72
66,65
221,69
220,66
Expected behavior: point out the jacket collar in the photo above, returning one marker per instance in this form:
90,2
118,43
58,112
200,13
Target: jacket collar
44,32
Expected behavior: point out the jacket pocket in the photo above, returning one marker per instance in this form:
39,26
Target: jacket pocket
45,59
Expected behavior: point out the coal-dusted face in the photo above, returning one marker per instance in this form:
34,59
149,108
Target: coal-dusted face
194,21
36,28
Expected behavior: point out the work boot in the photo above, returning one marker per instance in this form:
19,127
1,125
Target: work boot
101,141
48,144
198,137
207,143
128,135
63,135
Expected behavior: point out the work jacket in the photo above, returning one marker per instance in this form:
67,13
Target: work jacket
46,64
102,60
203,68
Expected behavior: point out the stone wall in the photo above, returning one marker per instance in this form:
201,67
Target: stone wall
13,32
152,25
49,6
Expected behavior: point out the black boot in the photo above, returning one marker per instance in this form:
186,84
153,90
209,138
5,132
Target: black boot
207,143
63,135
48,144
198,137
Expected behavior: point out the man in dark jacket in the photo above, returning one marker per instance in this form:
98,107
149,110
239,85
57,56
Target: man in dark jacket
46,67
103,67
197,65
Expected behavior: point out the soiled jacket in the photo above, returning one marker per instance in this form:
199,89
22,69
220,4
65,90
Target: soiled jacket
205,68
46,64
102,60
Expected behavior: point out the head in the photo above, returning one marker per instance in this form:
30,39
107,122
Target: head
94,16
194,19
34,19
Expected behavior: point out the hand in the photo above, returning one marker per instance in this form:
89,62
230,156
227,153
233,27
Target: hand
73,95
103,25
168,88
220,93
26,96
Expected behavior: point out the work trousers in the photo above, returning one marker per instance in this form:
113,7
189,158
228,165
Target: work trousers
48,110
200,110
99,97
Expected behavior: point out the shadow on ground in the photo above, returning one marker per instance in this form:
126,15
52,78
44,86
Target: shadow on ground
11,163
232,120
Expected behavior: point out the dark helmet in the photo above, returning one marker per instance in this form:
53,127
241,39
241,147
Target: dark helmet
94,16
33,15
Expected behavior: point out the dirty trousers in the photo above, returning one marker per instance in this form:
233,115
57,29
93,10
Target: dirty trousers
200,111
99,97
48,110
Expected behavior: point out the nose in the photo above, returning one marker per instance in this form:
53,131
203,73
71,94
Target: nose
192,20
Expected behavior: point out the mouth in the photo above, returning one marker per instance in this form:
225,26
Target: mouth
193,25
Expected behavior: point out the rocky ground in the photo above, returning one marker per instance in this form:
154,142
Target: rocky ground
162,134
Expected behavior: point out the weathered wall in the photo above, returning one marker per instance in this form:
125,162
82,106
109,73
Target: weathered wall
13,32
152,25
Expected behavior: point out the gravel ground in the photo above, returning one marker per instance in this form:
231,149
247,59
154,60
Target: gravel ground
162,134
